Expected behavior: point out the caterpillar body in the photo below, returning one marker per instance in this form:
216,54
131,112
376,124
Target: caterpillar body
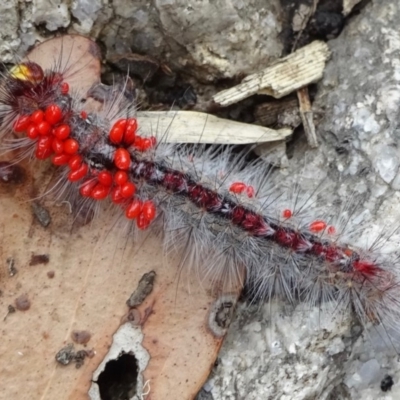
214,207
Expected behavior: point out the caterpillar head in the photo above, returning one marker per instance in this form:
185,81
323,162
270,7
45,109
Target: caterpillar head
27,72
28,88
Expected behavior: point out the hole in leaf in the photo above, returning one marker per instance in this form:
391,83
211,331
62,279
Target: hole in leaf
119,379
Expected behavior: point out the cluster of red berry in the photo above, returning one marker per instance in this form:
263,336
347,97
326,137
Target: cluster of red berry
53,138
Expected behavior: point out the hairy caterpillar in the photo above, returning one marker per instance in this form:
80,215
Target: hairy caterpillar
217,209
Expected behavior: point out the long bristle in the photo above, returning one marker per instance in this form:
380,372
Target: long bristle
215,208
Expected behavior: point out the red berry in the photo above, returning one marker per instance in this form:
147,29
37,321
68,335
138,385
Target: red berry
32,132
250,191
146,144
133,209
62,131
53,114
71,146
117,131
43,128
331,230
128,189
149,210
100,192
80,173
120,124
120,177
37,117
21,123
116,196
64,88
142,222
60,159
75,162
317,226
43,147
287,213
84,115
105,178
130,131
237,187
131,122
122,159
116,135
86,189
57,145
138,143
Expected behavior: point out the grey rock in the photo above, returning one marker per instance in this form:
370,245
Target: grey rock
358,162
207,40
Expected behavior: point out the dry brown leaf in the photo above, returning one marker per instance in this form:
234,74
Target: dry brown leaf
91,272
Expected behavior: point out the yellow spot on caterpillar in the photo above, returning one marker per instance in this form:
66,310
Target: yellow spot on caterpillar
21,72
27,72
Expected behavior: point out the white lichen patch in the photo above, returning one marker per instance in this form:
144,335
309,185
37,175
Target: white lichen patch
127,340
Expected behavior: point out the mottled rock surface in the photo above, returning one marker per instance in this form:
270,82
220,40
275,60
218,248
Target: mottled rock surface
358,162
208,40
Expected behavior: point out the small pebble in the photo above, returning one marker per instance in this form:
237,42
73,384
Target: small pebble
50,274
22,303
66,354
81,337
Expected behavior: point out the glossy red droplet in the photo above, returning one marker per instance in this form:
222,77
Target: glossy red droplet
145,144
138,143
120,177
317,226
116,196
287,213
43,147
149,210
142,222
80,173
105,178
86,189
60,159
250,191
21,123
122,159
62,131
43,128
32,132
53,114
128,189
120,124
237,187
37,117
116,134
133,209
75,162
71,146
58,145
100,192
130,131
331,230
